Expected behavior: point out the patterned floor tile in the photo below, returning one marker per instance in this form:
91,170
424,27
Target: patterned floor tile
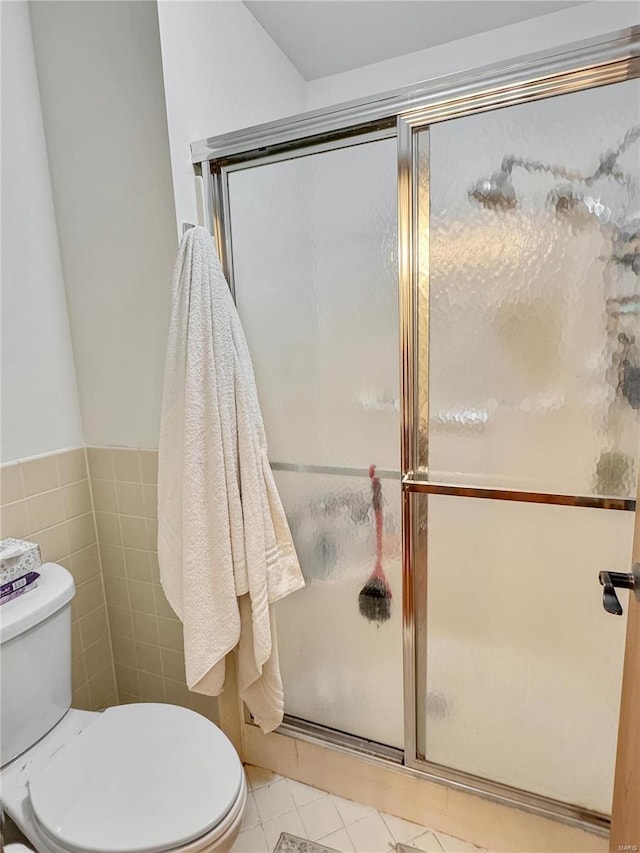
257,777
320,818
251,841
350,811
456,845
273,799
402,830
290,823
303,794
250,817
371,835
426,843
339,841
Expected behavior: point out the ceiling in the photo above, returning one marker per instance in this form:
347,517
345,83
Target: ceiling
323,37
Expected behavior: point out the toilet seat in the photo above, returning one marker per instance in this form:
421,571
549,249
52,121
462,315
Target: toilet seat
143,778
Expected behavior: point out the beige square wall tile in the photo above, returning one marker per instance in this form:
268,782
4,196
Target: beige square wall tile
173,664
155,568
104,495
163,608
53,543
100,463
149,466
170,631
126,464
152,528
81,531
45,510
98,656
94,626
130,498
89,596
109,699
76,640
176,693
81,699
151,687
148,658
108,527
117,591
150,495
120,621
72,466
11,488
84,564
138,564
127,680
39,475
76,498
14,520
134,532
141,597
78,671
124,651
205,705
102,689
112,557
145,628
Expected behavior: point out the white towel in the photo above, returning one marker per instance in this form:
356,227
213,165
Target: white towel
224,546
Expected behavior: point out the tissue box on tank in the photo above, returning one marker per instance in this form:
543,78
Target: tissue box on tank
17,559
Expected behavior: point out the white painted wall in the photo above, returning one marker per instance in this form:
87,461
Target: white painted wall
100,76
584,21
40,407
222,72
103,98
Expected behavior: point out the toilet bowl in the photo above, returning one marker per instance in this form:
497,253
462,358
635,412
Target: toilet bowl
143,778
133,779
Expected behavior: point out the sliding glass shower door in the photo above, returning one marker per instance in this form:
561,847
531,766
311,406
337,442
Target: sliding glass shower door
527,415
451,530
315,271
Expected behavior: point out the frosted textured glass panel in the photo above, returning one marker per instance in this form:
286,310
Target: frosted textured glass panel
524,666
534,297
314,250
338,668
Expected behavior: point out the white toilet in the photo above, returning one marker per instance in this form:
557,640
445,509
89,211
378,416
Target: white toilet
139,778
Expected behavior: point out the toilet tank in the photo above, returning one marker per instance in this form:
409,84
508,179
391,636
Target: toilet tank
35,661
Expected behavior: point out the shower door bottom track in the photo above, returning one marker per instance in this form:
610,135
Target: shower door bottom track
393,758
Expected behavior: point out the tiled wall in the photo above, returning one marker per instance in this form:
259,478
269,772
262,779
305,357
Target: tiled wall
145,632
48,500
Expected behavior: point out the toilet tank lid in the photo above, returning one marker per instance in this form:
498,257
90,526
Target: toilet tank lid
55,589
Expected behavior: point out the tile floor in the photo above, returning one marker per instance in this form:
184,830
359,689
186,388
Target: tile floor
276,804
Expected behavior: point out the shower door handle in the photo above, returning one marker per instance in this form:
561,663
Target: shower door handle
611,580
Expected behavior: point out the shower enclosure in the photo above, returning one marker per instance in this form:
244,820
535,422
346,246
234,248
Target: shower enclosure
485,234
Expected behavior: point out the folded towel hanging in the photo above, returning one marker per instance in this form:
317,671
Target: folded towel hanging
224,545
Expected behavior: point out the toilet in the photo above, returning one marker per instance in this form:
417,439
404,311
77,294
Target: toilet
140,778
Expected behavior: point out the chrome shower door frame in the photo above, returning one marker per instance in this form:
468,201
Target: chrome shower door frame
405,112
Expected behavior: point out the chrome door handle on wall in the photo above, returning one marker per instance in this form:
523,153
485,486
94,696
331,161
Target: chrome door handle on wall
611,580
